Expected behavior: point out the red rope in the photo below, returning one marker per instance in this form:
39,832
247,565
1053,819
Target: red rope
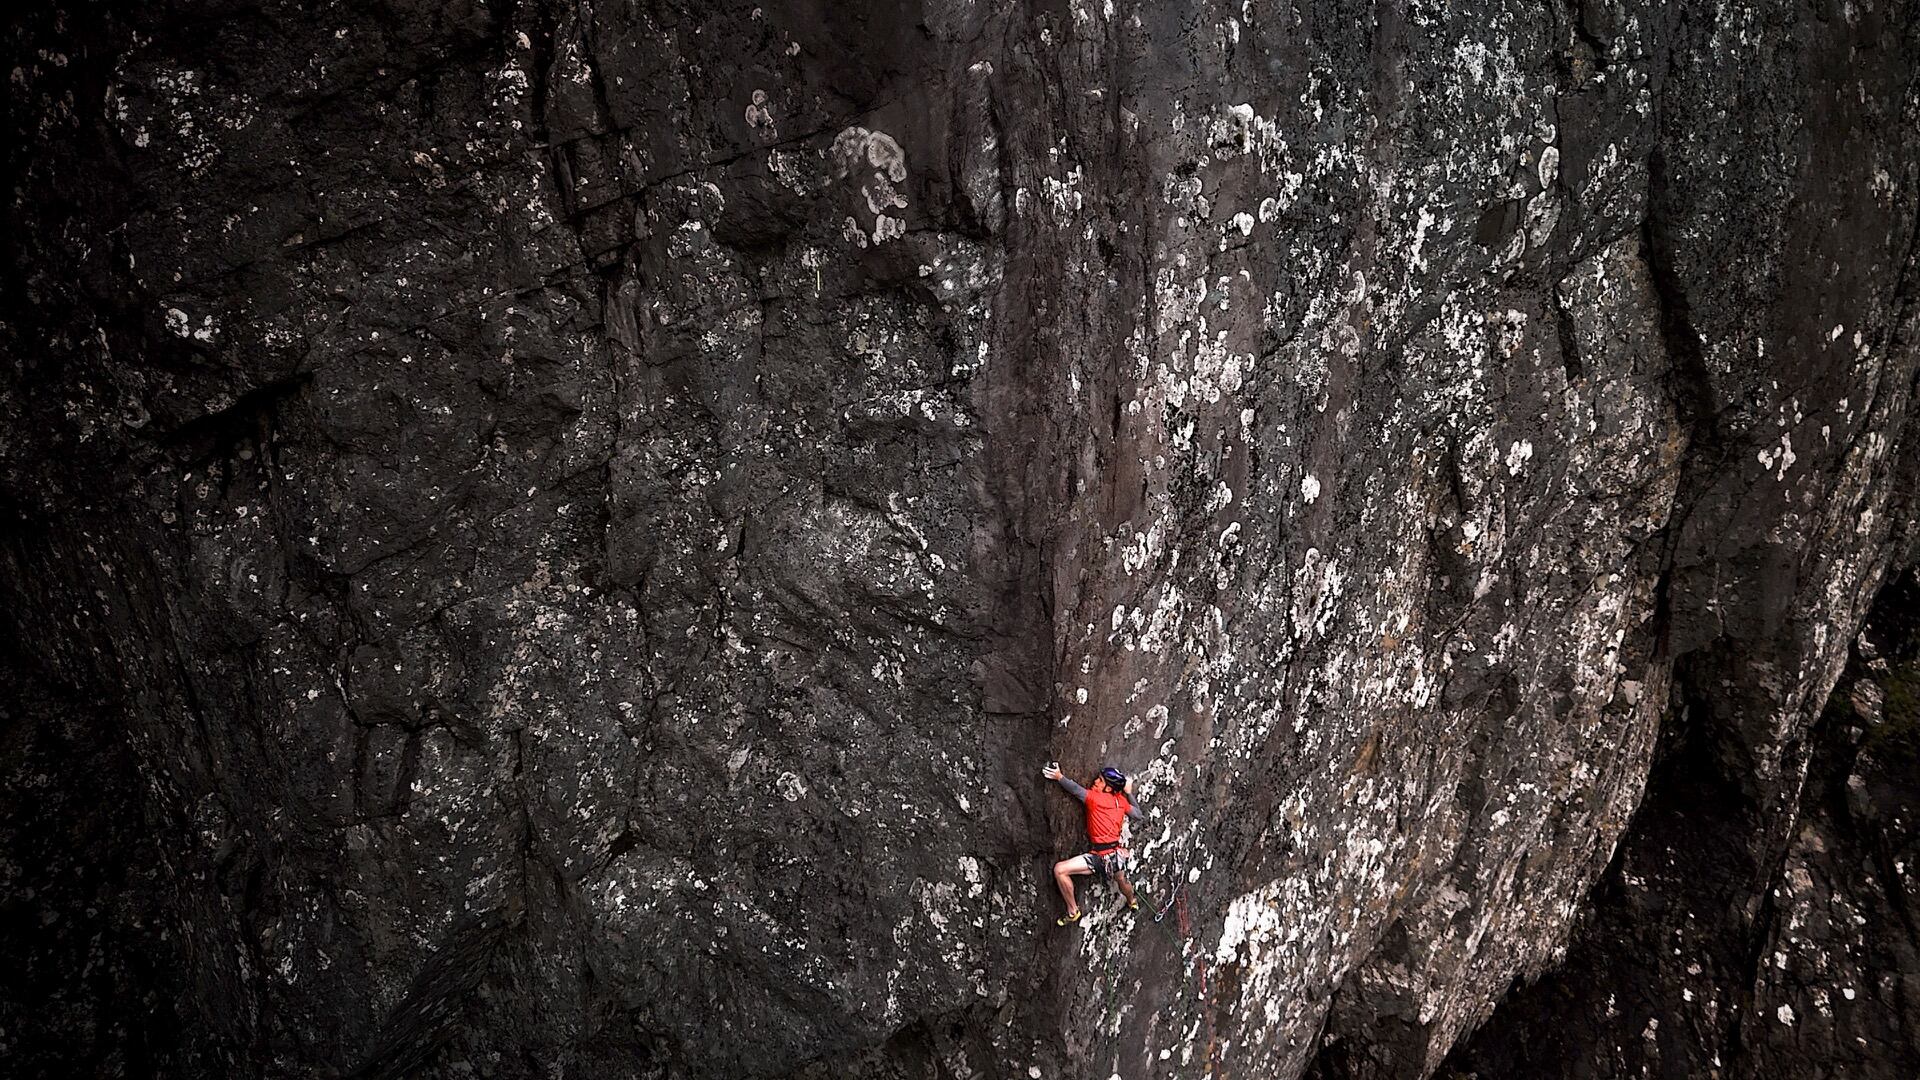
1205,995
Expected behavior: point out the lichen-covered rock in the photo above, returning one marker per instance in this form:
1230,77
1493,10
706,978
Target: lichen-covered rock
1814,975
561,535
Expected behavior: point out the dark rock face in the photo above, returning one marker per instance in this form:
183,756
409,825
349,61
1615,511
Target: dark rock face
553,539
1679,972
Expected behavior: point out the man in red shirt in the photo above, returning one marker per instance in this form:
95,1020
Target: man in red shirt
1109,804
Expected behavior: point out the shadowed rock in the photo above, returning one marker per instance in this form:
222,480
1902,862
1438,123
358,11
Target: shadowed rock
555,538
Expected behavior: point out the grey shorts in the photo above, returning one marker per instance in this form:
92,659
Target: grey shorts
1109,863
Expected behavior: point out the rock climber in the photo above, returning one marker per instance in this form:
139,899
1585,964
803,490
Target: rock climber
1109,803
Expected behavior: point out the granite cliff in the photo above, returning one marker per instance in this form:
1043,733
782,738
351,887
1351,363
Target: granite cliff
553,538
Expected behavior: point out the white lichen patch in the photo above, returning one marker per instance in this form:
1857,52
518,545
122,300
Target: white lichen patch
873,163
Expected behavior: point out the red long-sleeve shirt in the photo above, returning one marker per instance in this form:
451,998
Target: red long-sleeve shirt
1106,811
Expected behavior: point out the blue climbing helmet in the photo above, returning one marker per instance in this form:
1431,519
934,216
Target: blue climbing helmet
1114,777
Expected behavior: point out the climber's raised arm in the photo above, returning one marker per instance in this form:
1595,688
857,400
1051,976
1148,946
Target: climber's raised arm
1052,772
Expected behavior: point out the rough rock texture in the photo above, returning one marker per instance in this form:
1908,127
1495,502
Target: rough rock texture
1815,975
553,538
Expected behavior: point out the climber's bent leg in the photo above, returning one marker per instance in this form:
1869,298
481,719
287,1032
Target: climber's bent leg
1064,872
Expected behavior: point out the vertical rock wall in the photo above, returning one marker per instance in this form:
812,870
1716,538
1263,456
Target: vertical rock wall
560,534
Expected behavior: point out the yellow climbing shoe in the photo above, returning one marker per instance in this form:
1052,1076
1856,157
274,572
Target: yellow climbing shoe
1066,920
